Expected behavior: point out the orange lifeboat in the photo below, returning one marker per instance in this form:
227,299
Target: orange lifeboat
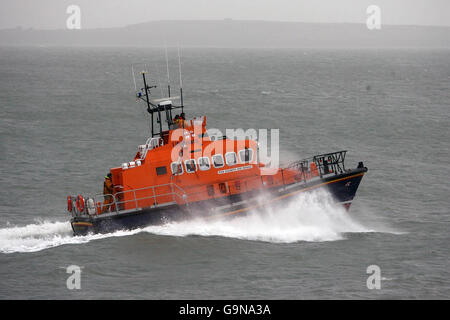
182,169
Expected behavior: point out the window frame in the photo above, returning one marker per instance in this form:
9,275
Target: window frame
161,174
198,163
243,150
235,157
195,165
180,165
223,160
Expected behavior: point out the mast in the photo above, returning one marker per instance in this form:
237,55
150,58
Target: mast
163,106
181,81
149,109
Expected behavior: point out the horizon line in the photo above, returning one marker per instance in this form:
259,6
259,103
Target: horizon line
22,28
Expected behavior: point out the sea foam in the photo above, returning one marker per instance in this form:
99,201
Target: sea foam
309,217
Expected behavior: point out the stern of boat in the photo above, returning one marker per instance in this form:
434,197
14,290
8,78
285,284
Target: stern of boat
82,225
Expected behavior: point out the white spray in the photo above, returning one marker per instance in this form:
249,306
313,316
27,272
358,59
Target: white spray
309,217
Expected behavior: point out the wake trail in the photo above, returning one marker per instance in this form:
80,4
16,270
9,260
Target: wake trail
44,235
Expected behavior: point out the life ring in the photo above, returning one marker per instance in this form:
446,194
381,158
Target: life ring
69,203
80,203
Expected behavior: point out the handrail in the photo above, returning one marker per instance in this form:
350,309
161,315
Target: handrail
155,196
176,191
150,145
333,160
326,163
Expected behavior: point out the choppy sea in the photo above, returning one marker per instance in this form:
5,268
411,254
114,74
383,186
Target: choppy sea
67,115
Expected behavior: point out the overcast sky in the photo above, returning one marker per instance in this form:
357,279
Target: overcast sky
51,14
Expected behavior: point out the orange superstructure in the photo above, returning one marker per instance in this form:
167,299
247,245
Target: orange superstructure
187,165
200,165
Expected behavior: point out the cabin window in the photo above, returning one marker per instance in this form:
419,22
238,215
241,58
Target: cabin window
210,190
176,168
222,187
190,166
204,164
161,170
217,161
246,155
230,158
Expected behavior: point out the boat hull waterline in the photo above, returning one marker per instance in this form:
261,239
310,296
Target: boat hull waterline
342,187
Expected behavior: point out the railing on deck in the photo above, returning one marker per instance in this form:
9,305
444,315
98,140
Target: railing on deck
150,144
330,162
170,190
324,164
134,199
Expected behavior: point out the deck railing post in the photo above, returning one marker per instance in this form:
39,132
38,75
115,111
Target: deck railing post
135,199
115,203
303,171
171,188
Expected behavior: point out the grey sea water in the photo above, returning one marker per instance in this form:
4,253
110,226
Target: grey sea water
69,114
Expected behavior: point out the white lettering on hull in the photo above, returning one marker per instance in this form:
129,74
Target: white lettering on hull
234,169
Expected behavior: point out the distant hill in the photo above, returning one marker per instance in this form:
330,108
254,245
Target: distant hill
238,34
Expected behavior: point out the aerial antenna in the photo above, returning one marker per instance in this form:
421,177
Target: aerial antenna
157,77
134,79
168,76
181,81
